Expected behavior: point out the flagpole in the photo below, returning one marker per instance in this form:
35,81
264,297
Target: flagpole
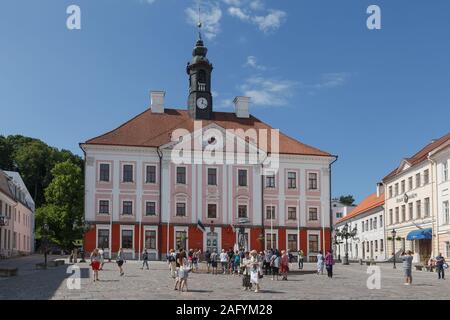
298,225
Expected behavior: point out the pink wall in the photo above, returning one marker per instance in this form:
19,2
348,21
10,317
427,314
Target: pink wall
22,227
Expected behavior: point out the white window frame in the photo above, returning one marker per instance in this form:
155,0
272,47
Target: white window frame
103,227
267,232
185,177
178,228
217,209
145,208
128,228
133,208
122,171
292,232
150,228
265,212
318,213
98,171
98,207
145,173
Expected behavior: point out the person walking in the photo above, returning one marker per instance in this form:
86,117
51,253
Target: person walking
214,262
171,260
440,261
180,261
95,263
245,265
320,262
255,270
275,264
230,254
300,259
284,265
329,262
120,261
224,261
237,263
266,262
407,259
145,259
101,253
208,260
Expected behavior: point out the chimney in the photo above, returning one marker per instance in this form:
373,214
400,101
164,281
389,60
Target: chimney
241,107
380,189
157,101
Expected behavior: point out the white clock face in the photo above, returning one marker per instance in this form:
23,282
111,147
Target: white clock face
202,103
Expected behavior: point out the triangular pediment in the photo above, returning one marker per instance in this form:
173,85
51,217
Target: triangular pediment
404,165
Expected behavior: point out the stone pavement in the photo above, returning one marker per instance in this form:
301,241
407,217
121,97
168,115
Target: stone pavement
349,283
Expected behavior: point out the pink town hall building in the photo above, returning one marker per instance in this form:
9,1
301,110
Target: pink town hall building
139,194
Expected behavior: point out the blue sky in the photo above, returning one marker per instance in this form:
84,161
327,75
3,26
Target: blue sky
312,67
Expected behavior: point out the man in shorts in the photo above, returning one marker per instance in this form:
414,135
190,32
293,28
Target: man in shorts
407,266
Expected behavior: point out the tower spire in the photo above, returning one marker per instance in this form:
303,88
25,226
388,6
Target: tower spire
199,24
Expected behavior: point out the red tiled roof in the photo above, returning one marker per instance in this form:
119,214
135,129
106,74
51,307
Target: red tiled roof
367,204
421,155
150,129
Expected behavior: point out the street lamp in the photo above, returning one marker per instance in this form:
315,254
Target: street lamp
45,230
394,235
241,236
346,234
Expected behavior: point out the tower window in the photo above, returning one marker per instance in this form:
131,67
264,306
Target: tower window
201,86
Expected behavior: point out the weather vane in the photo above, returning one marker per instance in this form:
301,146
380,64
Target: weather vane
199,24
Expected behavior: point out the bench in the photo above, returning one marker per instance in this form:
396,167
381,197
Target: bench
8,272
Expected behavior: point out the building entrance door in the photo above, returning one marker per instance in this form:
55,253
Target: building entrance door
212,241
424,250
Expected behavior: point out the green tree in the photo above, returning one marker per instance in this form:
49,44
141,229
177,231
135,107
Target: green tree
347,200
63,211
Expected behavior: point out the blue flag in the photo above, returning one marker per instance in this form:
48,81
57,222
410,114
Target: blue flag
200,225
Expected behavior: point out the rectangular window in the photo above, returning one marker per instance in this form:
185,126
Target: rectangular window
292,180
375,223
391,216
181,209
212,211
427,207
242,178
402,187
376,245
104,172
410,183
292,213
312,214
313,240
397,215
127,239
150,239
127,173
410,211
371,224
312,181
426,176
270,181
339,215
292,242
445,172
242,211
127,208
212,177
150,174
362,226
396,189
270,212
181,175
446,212
367,225
271,240
447,249
418,209
381,245
381,221
390,191
103,238
403,213
180,239
418,183
103,207
150,208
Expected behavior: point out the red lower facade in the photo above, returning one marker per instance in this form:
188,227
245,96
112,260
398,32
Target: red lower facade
158,239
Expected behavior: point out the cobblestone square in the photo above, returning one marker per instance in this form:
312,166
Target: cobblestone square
349,282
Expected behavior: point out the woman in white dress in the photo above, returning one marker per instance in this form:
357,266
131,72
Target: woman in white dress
255,269
320,263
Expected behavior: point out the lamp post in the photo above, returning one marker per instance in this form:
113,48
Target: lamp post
45,230
345,233
394,234
241,238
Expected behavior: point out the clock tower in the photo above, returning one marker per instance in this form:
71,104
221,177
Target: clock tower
199,70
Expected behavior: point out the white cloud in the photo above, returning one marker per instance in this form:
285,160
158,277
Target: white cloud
257,5
271,21
211,15
268,91
330,80
236,3
253,63
238,13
